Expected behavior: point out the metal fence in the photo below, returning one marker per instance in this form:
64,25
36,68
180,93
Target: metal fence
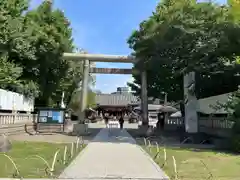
210,125
219,126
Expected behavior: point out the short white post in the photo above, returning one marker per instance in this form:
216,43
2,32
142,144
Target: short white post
149,145
145,141
157,146
175,167
65,155
165,155
77,144
72,149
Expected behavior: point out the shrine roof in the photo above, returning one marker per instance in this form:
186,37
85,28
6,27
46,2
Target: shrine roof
116,99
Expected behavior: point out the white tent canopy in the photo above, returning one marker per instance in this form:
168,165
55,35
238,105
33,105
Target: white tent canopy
156,107
176,114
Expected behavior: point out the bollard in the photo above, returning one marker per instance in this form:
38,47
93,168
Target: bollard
72,147
165,156
157,147
77,144
13,163
145,141
65,155
175,167
185,140
149,145
54,160
82,141
158,151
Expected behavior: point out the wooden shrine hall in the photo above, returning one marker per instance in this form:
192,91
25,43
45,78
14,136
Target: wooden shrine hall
115,103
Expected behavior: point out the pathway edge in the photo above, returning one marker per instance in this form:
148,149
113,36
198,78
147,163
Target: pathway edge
156,166
73,161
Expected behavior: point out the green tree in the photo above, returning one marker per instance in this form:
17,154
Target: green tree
183,36
51,37
234,6
76,97
31,48
9,74
70,82
14,46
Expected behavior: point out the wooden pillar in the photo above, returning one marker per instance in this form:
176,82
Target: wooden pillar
84,92
190,103
144,98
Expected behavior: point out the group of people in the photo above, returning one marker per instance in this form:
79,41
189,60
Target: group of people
120,120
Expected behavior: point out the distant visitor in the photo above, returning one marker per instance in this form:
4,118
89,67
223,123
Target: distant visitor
121,122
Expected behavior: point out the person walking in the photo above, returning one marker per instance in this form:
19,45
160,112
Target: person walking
121,121
106,121
161,119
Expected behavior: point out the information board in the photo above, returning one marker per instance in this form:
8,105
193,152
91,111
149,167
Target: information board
51,116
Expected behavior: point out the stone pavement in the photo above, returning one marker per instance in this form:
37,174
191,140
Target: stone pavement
113,154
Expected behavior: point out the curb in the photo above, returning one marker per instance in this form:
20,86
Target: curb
152,161
62,175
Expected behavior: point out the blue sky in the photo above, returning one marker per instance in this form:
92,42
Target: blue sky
102,27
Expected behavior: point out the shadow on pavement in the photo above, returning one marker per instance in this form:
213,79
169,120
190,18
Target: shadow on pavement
115,135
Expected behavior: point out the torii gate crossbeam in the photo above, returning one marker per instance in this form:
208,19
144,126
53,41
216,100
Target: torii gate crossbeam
99,57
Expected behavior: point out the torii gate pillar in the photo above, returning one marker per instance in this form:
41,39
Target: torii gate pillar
144,98
84,92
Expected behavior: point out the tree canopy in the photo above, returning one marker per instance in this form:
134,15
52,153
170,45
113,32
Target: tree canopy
32,43
183,36
76,97
14,46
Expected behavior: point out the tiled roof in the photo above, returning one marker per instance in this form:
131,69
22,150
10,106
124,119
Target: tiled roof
115,99
209,105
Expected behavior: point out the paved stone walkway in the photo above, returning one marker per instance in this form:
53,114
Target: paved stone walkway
113,154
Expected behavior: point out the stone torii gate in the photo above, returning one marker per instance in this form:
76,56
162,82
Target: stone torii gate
87,58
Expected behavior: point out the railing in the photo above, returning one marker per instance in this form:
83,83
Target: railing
215,122
174,121
16,118
218,126
113,124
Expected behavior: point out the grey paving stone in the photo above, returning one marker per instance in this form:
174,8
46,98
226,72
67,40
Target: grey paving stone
113,154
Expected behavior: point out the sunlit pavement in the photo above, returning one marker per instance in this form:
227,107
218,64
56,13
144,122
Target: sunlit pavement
114,154
102,125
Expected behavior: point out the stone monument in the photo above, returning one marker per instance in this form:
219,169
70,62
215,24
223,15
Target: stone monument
5,144
190,103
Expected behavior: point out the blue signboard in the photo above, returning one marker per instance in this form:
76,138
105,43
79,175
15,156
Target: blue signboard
51,116
56,116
